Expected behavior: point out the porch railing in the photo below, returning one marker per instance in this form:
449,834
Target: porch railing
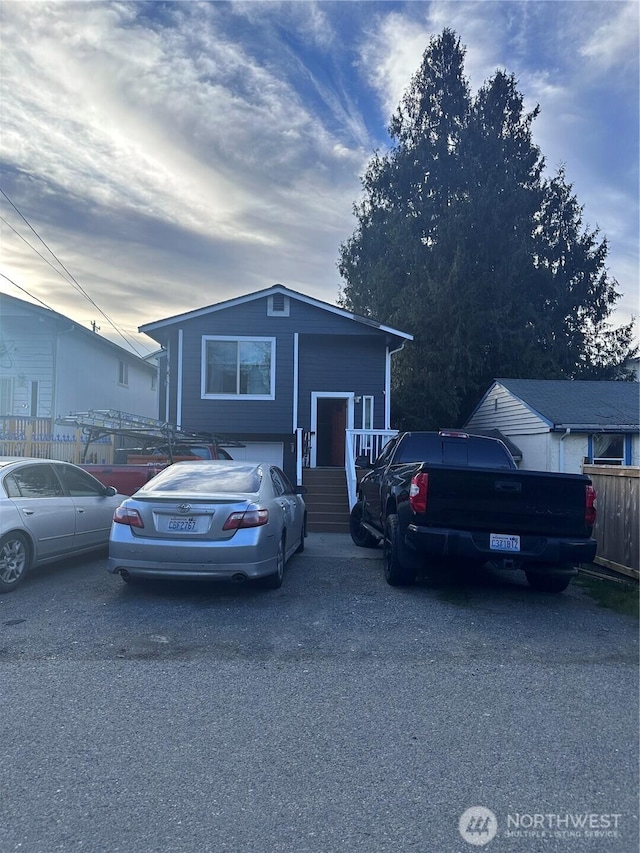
362,442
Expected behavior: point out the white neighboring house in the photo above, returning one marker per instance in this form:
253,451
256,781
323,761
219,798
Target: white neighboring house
51,366
559,425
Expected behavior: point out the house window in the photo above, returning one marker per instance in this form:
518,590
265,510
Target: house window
6,396
238,367
123,373
607,449
34,400
367,413
367,424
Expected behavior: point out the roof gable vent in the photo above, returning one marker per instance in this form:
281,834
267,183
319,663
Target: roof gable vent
278,305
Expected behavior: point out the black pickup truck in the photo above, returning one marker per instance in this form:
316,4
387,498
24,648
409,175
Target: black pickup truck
452,497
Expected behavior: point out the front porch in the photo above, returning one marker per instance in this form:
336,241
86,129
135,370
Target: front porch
332,491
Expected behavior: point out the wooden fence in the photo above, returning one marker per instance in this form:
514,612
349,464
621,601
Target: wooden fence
34,437
617,523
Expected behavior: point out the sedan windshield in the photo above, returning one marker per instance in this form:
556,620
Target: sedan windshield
206,478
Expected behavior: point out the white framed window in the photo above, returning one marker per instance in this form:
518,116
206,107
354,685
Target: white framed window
6,396
367,413
123,373
367,422
238,368
607,449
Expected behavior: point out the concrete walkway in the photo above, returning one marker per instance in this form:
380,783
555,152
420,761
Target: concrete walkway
337,545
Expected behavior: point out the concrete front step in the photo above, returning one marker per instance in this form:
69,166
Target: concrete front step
320,526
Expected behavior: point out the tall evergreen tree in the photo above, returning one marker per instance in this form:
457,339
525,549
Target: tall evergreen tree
460,241
579,293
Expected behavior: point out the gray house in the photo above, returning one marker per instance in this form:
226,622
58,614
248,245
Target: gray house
50,366
559,425
287,375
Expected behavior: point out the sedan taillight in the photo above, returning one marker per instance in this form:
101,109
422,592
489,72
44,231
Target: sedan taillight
123,515
248,518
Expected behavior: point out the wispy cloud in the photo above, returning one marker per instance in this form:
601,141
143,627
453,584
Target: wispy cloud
174,154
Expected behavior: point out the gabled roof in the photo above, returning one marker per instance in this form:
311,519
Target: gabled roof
580,404
270,291
90,336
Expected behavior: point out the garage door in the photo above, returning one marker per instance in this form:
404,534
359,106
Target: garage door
259,451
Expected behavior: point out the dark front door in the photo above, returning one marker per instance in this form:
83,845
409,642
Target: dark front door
331,426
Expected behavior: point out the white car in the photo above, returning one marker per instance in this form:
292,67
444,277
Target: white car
49,510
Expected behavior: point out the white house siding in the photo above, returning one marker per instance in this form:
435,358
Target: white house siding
27,358
75,369
501,410
535,451
567,454
91,379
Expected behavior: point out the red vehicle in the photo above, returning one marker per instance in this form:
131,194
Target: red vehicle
152,445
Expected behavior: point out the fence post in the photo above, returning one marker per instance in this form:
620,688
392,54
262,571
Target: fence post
77,452
28,443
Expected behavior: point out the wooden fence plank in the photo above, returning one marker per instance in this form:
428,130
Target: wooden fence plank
618,516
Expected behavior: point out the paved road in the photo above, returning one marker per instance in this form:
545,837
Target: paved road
335,714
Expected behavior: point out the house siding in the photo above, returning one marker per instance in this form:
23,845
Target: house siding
75,369
501,410
27,356
331,364
335,354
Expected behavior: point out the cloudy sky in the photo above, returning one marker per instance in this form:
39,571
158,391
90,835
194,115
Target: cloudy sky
172,155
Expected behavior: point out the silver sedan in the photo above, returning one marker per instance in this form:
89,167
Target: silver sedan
225,520
49,510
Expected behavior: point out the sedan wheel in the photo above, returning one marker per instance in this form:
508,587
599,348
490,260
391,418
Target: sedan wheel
274,581
14,560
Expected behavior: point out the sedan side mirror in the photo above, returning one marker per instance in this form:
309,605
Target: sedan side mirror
301,490
110,491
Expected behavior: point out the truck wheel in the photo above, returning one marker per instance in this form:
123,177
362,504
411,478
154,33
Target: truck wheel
394,572
548,583
361,537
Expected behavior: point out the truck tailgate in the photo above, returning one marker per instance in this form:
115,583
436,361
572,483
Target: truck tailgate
506,501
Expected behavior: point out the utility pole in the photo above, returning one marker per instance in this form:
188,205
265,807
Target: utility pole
94,326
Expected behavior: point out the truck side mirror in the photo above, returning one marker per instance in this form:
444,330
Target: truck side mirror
363,461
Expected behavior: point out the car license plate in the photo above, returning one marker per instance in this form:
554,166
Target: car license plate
501,542
182,525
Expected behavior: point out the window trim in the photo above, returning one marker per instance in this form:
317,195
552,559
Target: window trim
6,395
602,460
123,374
237,339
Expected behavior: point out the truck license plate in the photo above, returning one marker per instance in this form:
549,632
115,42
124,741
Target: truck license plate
501,542
183,525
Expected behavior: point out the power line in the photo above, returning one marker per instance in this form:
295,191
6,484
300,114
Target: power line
71,279
24,290
44,304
